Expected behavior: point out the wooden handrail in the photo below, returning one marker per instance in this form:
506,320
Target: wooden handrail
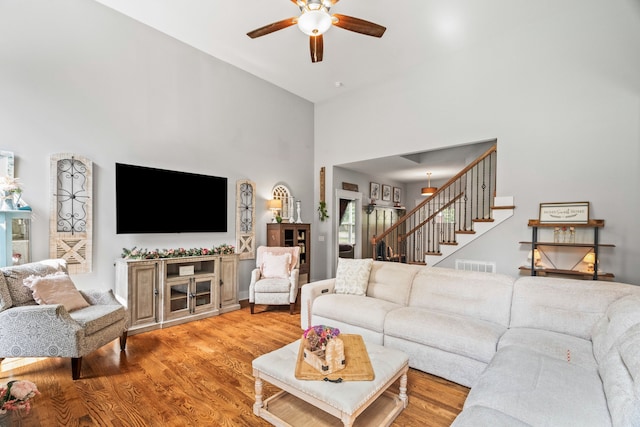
490,151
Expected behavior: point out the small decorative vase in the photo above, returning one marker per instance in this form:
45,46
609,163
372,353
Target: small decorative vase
292,217
298,205
7,201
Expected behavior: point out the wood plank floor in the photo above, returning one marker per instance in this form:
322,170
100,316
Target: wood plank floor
195,374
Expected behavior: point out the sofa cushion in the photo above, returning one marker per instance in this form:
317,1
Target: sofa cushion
56,288
96,317
621,315
476,415
15,275
485,296
272,286
540,390
352,276
575,308
5,296
355,310
465,336
564,347
619,374
392,281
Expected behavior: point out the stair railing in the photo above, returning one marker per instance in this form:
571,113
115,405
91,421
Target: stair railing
453,209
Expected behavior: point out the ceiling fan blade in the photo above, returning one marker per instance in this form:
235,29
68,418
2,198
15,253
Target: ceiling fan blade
358,25
316,45
270,28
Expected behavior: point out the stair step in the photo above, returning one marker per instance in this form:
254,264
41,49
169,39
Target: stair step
449,243
504,207
433,253
482,220
465,232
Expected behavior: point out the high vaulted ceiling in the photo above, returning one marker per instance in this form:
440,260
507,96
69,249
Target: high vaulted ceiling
418,31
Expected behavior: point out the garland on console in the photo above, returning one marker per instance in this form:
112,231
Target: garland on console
135,253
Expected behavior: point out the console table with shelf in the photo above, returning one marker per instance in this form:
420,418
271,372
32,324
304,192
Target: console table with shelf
160,293
594,245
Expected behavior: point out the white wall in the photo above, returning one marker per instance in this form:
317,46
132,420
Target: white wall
78,77
561,96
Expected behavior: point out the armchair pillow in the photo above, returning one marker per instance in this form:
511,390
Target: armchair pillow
56,288
352,276
276,266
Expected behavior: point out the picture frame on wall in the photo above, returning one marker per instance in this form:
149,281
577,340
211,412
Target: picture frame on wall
397,194
374,191
572,212
386,193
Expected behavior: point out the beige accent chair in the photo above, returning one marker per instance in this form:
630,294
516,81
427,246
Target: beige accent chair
274,281
28,329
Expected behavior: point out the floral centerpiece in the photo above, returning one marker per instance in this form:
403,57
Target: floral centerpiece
323,349
135,253
16,394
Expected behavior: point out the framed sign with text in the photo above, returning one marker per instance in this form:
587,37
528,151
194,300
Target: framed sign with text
558,213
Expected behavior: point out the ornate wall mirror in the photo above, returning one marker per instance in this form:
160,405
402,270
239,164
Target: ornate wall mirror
282,192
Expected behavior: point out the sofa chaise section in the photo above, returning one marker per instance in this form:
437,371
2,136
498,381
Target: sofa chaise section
452,323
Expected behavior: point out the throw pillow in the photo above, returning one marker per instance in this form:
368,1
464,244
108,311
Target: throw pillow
352,276
56,288
5,296
276,266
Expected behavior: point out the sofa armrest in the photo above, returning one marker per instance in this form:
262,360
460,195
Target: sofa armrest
294,279
96,297
310,292
17,337
255,276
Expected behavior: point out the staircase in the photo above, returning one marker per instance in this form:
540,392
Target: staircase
458,213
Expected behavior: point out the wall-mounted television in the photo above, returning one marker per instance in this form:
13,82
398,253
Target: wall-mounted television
150,200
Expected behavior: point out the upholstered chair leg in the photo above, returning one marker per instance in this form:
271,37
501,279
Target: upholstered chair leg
123,341
291,307
251,304
76,366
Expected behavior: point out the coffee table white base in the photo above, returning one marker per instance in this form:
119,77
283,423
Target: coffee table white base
304,402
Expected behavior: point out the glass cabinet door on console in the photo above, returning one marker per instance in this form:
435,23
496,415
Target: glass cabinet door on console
15,245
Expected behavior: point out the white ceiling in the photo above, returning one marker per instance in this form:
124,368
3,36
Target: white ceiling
418,31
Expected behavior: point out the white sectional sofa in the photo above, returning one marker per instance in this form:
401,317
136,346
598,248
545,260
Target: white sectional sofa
535,351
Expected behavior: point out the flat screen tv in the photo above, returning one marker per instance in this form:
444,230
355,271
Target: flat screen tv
150,200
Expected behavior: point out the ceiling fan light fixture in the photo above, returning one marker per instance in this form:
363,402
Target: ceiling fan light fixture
314,22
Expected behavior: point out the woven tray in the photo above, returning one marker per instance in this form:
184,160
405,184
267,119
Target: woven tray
358,365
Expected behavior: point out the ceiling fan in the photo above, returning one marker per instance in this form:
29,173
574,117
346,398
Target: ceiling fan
315,21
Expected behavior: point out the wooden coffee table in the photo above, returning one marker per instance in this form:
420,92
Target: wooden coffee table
323,403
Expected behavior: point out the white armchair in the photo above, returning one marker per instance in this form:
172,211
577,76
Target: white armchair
274,281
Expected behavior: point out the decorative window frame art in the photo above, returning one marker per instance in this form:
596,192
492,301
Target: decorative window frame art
559,213
386,193
374,191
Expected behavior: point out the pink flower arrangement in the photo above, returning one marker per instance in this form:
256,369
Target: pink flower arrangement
16,395
135,253
318,336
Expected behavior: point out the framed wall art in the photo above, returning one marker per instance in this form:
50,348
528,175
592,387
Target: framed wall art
397,194
571,212
386,193
374,192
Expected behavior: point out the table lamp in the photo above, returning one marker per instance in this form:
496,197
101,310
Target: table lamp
536,256
275,205
590,259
